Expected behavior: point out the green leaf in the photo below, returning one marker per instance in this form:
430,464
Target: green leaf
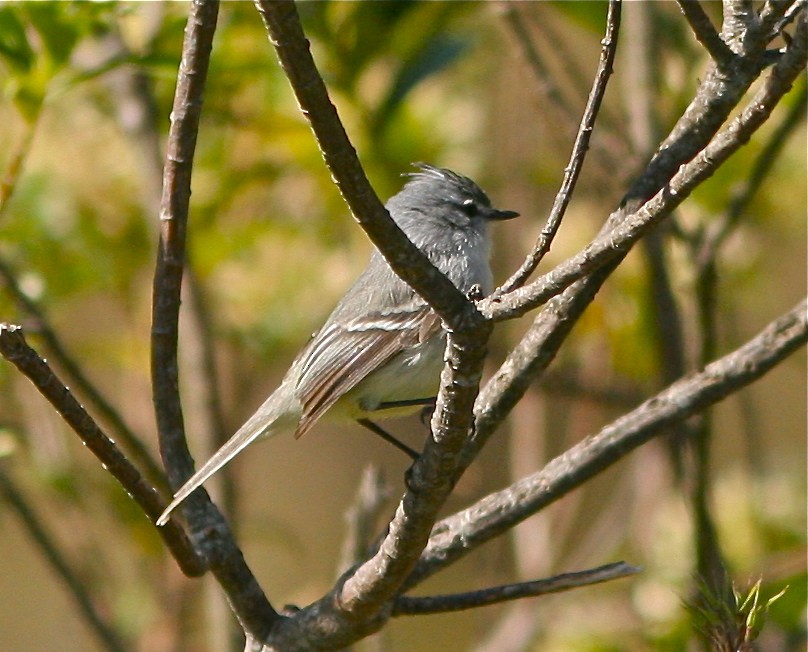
14,46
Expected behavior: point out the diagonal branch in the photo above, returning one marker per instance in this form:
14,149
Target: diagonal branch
414,606
613,244
579,150
79,381
51,549
705,33
292,47
460,533
15,349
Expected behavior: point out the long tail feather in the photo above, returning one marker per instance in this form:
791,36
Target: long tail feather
264,423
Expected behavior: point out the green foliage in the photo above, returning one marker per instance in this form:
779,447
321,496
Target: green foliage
728,619
37,40
273,246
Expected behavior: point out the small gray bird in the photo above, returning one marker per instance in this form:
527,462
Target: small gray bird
380,352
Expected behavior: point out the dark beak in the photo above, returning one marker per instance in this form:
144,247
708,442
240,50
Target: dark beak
494,214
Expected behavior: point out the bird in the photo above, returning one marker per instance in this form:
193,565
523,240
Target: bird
380,352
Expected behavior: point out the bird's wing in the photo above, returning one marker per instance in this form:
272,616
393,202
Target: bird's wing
341,355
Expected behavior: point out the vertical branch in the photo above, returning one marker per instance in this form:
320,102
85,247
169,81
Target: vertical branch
176,196
212,536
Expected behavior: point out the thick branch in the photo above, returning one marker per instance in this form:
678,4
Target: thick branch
14,348
415,606
462,532
292,47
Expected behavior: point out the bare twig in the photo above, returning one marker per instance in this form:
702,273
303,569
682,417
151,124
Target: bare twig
705,32
716,97
462,532
742,197
413,606
579,149
14,348
51,550
211,533
614,244
371,495
40,324
292,47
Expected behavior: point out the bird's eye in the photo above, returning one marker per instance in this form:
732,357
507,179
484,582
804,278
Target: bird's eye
469,207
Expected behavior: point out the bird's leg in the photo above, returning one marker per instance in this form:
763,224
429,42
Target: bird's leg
413,402
429,407
381,432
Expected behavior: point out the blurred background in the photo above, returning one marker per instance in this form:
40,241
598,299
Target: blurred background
494,91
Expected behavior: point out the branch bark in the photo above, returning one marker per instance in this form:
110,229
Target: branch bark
579,150
460,533
15,349
292,47
410,606
210,532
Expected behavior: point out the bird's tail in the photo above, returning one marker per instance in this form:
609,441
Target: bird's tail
268,420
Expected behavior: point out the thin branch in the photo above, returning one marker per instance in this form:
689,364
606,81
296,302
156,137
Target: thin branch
40,324
51,549
760,169
292,47
176,195
579,149
211,534
710,108
613,244
460,533
705,32
772,15
15,349
371,495
416,606
788,16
